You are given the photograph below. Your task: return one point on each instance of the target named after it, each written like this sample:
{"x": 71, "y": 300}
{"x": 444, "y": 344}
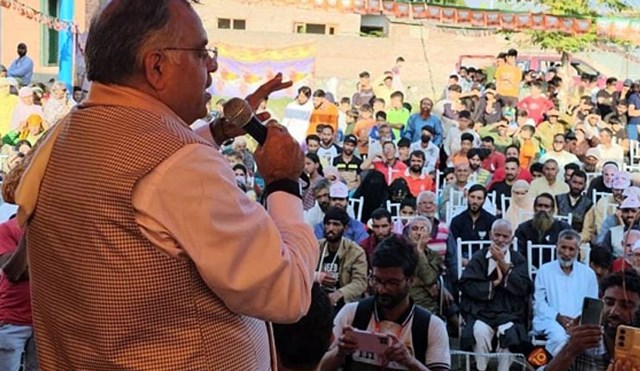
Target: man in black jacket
{"x": 495, "y": 287}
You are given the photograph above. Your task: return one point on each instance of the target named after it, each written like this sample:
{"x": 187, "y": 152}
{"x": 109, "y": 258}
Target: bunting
{"x": 451, "y": 15}
{"x": 35, "y": 15}
{"x": 618, "y": 28}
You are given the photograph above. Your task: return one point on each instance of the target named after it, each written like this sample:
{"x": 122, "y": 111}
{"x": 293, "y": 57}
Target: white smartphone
{"x": 372, "y": 342}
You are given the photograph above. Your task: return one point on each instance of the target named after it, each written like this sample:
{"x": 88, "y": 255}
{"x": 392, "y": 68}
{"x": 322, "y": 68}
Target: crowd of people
{"x": 532, "y": 182}
{"x": 488, "y": 214}
{"x": 28, "y": 108}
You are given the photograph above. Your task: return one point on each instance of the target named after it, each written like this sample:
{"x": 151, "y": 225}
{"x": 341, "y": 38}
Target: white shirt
{"x": 563, "y": 158}
{"x": 296, "y": 119}
{"x": 615, "y": 153}
{"x": 431, "y": 154}
{"x": 559, "y": 293}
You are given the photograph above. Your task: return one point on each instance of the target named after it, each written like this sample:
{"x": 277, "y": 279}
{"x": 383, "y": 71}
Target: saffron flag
{"x": 243, "y": 69}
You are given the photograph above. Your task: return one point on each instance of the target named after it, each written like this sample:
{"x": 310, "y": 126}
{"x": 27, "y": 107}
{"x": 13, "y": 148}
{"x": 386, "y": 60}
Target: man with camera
{"x": 591, "y": 347}
{"x": 405, "y": 335}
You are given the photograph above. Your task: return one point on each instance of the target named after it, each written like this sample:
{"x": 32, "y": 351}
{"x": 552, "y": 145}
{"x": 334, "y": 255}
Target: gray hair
{"x": 59, "y": 85}
{"x": 322, "y": 184}
{"x": 570, "y": 234}
{"x": 424, "y": 194}
{"x": 414, "y": 221}
{"x": 121, "y": 33}
{"x": 501, "y": 223}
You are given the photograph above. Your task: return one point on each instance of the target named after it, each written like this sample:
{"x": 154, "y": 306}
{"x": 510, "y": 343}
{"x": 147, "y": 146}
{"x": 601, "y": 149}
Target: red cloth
{"x": 15, "y": 298}
{"x": 536, "y": 107}
{"x": 619, "y": 265}
{"x": 499, "y": 176}
{"x": 390, "y": 173}
{"x": 493, "y": 162}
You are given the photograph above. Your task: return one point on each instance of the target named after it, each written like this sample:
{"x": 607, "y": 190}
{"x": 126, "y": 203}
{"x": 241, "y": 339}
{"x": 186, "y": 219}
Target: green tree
{"x": 567, "y": 44}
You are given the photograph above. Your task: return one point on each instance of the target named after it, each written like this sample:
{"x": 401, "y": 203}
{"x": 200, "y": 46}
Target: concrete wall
{"x": 15, "y": 29}
{"x": 430, "y": 53}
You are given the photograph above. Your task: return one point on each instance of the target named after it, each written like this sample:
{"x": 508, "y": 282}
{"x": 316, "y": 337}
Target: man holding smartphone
{"x": 417, "y": 339}
{"x": 591, "y": 347}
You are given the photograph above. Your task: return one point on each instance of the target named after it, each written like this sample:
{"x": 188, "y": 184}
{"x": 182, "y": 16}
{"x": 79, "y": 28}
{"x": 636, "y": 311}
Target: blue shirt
{"x": 22, "y": 68}
{"x": 355, "y": 231}
{"x": 413, "y": 130}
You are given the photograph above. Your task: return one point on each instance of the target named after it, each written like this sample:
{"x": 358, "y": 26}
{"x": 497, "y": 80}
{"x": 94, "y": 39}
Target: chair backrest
{"x": 407, "y": 219}
{"x": 585, "y": 251}
{"x": 438, "y": 181}
{"x": 609, "y": 208}
{"x": 456, "y": 197}
{"x": 505, "y": 202}
{"x": 356, "y": 204}
{"x": 634, "y": 151}
{"x": 492, "y": 197}
{"x": 591, "y": 176}
{"x": 466, "y": 249}
{"x": 393, "y": 208}
{"x": 537, "y": 255}
{"x": 567, "y": 218}
{"x": 598, "y": 195}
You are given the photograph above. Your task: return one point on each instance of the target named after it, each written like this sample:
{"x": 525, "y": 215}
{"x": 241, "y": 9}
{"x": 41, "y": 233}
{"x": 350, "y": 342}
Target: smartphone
{"x": 591, "y": 311}
{"x": 371, "y": 341}
{"x": 628, "y": 345}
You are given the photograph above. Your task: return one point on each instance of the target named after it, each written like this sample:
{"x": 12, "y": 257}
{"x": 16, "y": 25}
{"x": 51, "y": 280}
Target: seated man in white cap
{"x": 606, "y": 205}
{"x": 591, "y": 162}
{"x": 614, "y": 237}
{"x": 339, "y": 197}
{"x": 614, "y": 218}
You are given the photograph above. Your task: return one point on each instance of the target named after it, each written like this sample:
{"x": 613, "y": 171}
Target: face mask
{"x": 241, "y": 179}
{"x": 425, "y": 139}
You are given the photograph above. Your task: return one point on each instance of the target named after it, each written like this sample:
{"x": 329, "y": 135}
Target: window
{"x": 314, "y": 28}
{"x": 374, "y": 26}
{"x": 49, "y": 39}
{"x": 232, "y": 24}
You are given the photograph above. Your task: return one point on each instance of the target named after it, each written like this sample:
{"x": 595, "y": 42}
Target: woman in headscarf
{"x": 34, "y": 129}
{"x": 520, "y": 203}
{"x": 58, "y": 104}
{"x": 8, "y": 103}
{"x": 24, "y": 109}
{"x": 375, "y": 193}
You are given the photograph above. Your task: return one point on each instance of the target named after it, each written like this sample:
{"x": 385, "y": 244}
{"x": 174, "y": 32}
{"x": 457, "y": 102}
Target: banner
{"x": 243, "y": 69}
{"x": 619, "y": 28}
{"x": 66, "y": 46}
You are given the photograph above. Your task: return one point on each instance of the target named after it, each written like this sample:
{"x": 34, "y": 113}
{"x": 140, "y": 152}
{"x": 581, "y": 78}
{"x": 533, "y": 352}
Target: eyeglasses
{"x": 204, "y": 53}
{"x": 390, "y": 284}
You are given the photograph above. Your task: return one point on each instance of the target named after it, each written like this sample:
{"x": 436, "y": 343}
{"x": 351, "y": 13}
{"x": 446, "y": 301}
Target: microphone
{"x": 238, "y": 112}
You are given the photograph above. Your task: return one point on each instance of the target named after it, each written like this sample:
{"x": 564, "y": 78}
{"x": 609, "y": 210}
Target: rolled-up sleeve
{"x": 259, "y": 262}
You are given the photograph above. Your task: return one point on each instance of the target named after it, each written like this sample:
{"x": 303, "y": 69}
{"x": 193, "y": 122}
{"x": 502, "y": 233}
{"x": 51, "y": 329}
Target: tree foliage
{"x": 568, "y": 43}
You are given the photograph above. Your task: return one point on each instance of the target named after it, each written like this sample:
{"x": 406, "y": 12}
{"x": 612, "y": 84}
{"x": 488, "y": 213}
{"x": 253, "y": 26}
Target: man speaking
{"x": 144, "y": 254}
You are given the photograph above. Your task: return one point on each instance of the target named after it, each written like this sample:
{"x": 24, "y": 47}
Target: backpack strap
{"x": 364, "y": 310}
{"x": 420, "y": 333}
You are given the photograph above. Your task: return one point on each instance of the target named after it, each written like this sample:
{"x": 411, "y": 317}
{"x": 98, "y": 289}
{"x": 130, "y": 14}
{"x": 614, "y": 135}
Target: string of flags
{"x": 450, "y": 15}
{"x": 36, "y": 15}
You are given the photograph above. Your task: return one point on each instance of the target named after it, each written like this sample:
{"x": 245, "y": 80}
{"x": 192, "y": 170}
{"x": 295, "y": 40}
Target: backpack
{"x": 421, "y": 320}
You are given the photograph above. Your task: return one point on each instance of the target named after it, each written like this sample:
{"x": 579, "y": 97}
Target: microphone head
{"x": 237, "y": 111}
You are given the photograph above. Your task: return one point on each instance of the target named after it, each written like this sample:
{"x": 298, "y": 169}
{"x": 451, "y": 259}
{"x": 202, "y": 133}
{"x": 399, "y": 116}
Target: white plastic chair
{"x": 505, "y": 202}
{"x": 634, "y": 151}
{"x": 533, "y": 264}
{"x": 356, "y": 204}
{"x": 596, "y": 196}
{"x": 393, "y": 208}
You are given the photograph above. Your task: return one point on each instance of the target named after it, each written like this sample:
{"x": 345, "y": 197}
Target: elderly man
{"x": 631, "y": 258}
{"x": 495, "y": 289}
{"x": 560, "y": 288}
{"x": 543, "y": 228}
{"x": 154, "y": 258}
{"x": 551, "y": 182}
{"x": 597, "y": 220}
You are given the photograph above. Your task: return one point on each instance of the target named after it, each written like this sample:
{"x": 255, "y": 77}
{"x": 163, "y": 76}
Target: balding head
{"x": 629, "y": 239}
{"x": 501, "y": 234}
